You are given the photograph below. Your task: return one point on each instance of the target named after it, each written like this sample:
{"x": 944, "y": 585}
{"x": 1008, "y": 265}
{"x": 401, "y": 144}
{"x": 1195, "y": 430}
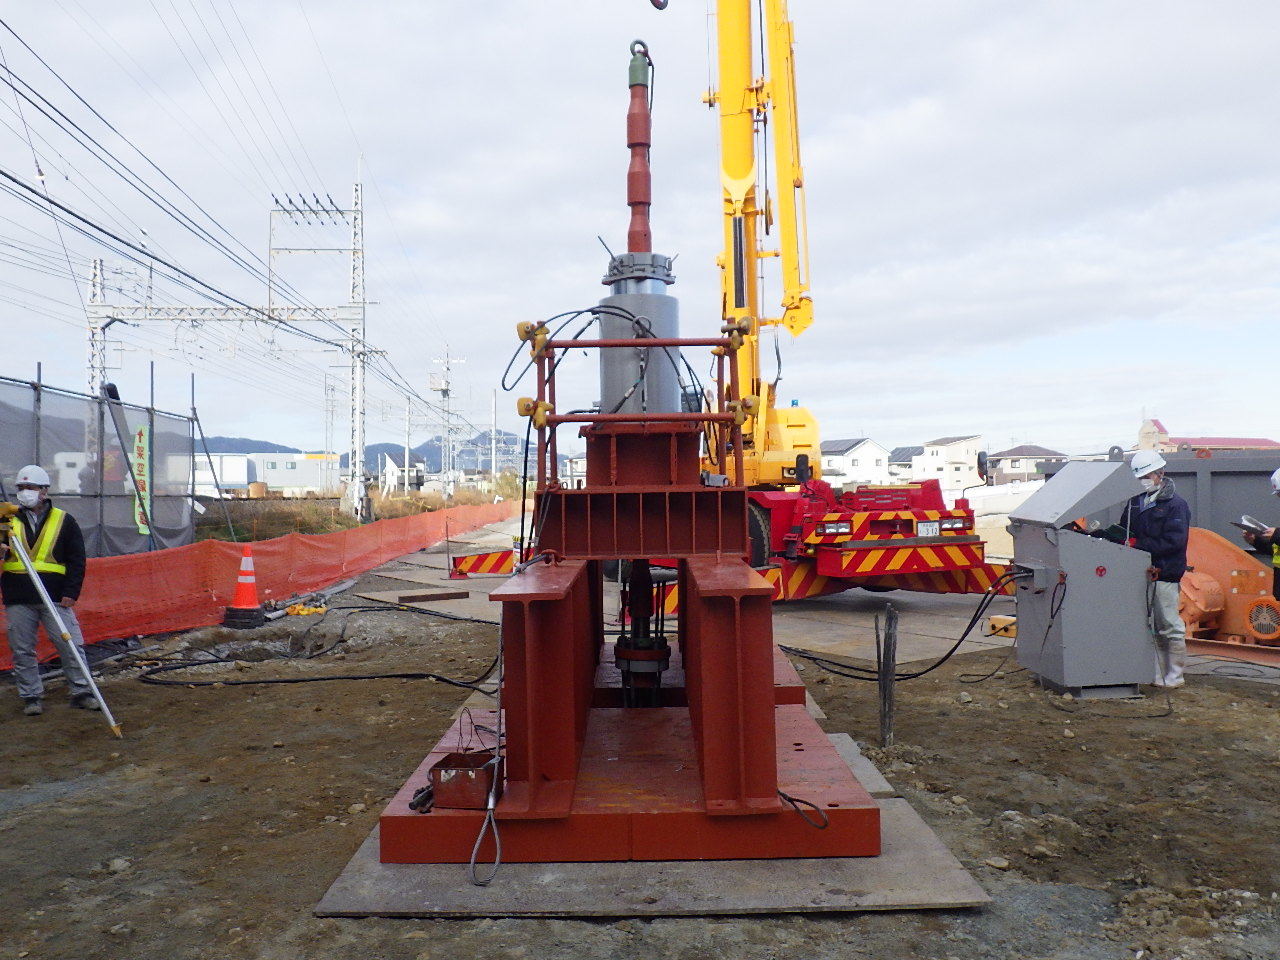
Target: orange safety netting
{"x": 186, "y": 587}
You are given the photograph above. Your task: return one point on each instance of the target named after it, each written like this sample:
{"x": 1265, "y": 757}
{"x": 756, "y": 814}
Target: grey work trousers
{"x": 1170, "y": 632}
{"x": 24, "y": 621}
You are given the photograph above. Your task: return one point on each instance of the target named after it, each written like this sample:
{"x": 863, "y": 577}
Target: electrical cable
{"x": 854, "y": 672}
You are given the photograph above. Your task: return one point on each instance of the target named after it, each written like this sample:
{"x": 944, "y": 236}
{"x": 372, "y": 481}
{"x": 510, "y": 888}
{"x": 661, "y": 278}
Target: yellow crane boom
{"x": 748, "y": 105}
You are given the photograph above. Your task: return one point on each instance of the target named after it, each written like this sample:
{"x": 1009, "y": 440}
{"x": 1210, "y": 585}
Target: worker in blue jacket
{"x": 1158, "y": 521}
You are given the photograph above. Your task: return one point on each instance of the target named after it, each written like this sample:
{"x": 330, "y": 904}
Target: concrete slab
{"x": 417, "y": 560}
{"x": 843, "y": 624}
{"x": 915, "y": 872}
{"x": 413, "y": 575}
{"x": 476, "y": 602}
{"x": 811, "y": 705}
{"x": 868, "y": 775}
{"x": 496, "y": 536}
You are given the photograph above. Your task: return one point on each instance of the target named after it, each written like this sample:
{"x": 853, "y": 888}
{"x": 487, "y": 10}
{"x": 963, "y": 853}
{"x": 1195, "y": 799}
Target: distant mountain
{"x": 244, "y": 445}
{"x": 470, "y": 454}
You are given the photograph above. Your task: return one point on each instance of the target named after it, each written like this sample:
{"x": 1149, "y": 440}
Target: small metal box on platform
{"x": 1082, "y": 608}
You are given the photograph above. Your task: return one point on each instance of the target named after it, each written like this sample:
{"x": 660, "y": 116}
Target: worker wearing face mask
{"x": 1268, "y": 541}
{"x": 55, "y": 545}
{"x": 1158, "y": 521}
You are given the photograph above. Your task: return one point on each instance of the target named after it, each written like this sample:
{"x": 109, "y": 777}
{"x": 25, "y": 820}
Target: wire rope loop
{"x": 489, "y": 824}
{"x": 796, "y": 803}
{"x": 659, "y": 4}
{"x": 640, "y": 47}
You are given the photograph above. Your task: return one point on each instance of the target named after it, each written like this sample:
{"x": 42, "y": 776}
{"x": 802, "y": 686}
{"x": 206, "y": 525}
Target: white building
{"x": 287, "y": 474}
{"x": 233, "y": 470}
{"x": 952, "y": 461}
{"x": 848, "y": 463}
{"x": 573, "y": 473}
{"x": 393, "y": 474}
{"x": 297, "y": 474}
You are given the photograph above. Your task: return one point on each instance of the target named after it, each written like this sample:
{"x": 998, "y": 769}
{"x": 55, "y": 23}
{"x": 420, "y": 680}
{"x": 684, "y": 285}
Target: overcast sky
{"x": 1033, "y": 221}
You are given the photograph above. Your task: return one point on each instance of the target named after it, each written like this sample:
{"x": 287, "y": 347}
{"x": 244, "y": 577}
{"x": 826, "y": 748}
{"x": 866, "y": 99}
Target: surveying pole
{"x": 16, "y": 546}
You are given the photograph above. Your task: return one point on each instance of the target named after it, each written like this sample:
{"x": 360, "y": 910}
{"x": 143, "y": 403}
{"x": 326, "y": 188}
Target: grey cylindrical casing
{"x": 658, "y": 390}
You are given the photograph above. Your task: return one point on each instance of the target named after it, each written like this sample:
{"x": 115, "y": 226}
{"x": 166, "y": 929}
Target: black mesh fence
{"x": 75, "y": 439}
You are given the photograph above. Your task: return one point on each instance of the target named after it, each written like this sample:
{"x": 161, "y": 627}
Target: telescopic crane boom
{"x": 749, "y": 106}
{"x": 806, "y": 538}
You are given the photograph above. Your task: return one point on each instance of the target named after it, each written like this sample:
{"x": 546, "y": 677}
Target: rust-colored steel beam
{"x": 552, "y": 630}
{"x": 727, "y": 637}
{"x": 639, "y": 137}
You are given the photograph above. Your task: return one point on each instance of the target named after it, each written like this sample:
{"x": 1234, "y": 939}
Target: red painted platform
{"x": 787, "y": 686}
{"x": 639, "y": 797}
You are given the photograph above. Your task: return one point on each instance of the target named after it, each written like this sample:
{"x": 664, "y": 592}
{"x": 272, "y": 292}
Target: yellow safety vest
{"x": 42, "y": 554}
{"x": 1275, "y": 555}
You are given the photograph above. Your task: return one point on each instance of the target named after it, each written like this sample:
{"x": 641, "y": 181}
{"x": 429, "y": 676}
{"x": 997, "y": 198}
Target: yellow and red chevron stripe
{"x": 977, "y": 579}
{"x": 799, "y": 580}
{"x": 874, "y": 561}
{"x": 498, "y": 562}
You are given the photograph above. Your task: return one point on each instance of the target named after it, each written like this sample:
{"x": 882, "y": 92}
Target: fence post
{"x": 887, "y": 669}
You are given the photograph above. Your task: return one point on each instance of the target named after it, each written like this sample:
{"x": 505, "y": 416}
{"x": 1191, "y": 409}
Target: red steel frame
{"x": 704, "y": 775}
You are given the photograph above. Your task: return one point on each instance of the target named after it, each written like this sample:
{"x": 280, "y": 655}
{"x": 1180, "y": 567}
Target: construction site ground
{"x": 1101, "y": 829}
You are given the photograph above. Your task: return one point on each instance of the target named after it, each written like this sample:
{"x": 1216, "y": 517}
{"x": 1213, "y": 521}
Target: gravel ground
{"x": 1101, "y": 830}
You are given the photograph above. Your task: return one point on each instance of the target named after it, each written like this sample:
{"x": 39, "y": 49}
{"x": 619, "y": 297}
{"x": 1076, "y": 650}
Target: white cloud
{"x": 1027, "y": 219}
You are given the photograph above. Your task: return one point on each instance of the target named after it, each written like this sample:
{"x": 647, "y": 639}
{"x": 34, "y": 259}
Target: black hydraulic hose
{"x": 864, "y": 673}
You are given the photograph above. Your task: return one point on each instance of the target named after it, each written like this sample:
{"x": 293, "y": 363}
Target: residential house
{"x": 394, "y": 473}
{"x": 848, "y": 463}
{"x": 952, "y": 461}
{"x": 900, "y": 461}
{"x": 1021, "y": 463}
{"x": 1154, "y": 436}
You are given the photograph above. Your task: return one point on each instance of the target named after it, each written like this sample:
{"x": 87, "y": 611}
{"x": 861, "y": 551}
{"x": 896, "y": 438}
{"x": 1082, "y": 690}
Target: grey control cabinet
{"x": 1082, "y": 609}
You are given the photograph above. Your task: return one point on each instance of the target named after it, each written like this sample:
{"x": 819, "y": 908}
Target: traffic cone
{"x": 245, "y": 611}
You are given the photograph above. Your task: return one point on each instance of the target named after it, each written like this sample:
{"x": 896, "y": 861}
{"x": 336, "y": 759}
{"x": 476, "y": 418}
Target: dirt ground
{"x": 1101, "y": 830}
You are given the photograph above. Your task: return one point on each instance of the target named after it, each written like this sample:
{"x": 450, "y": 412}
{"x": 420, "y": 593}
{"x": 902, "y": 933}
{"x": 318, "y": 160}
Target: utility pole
{"x": 493, "y": 444}
{"x": 440, "y": 383}
{"x": 360, "y": 505}
{"x": 330, "y": 410}
{"x": 97, "y": 332}
{"x": 408, "y": 420}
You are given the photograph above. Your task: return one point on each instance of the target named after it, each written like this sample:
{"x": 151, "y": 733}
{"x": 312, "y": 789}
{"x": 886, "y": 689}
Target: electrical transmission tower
{"x": 349, "y": 316}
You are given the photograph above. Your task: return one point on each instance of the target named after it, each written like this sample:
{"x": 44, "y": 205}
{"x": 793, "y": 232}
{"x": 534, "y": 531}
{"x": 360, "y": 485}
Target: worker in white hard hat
{"x": 1268, "y": 539}
{"x": 1158, "y": 521}
{"x": 55, "y": 545}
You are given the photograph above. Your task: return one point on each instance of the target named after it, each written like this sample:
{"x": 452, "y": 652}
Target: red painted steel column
{"x": 728, "y": 659}
{"x": 546, "y": 688}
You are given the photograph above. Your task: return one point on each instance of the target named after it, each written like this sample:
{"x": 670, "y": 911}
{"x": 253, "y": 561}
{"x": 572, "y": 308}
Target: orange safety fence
{"x": 186, "y": 587}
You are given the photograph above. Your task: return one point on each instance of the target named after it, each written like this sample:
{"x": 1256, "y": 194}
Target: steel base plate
{"x": 639, "y": 797}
